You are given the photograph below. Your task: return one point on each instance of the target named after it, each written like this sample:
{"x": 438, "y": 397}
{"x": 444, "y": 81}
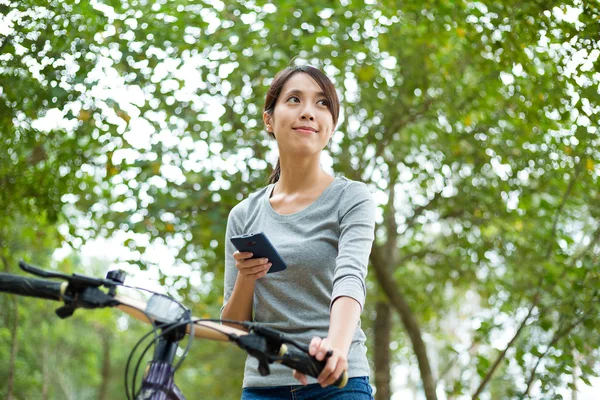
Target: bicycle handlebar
{"x": 32, "y": 287}
{"x": 51, "y": 290}
{"x": 289, "y": 357}
{"x": 90, "y": 296}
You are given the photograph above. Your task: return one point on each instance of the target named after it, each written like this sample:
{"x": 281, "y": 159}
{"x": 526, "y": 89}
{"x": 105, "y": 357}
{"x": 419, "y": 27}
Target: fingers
{"x": 314, "y": 345}
{"x": 251, "y": 267}
{"x": 257, "y": 269}
{"x": 255, "y": 272}
{"x": 241, "y": 256}
{"x": 336, "y": 365}
{"x": 301, "y": 377}
{"x": 322, "y": 349}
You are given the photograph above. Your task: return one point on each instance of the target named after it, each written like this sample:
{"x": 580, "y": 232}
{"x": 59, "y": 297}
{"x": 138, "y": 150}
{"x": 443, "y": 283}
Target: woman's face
{"x": 301, "y": 121}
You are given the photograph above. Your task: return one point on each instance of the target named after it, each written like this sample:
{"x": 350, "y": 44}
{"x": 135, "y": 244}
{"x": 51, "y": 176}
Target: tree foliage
{"x": 476, "y": 127}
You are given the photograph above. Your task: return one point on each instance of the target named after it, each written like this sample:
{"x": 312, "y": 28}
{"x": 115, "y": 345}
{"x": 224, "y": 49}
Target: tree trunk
{"x": 575, "y": 377}
{"x": 383, "y": 326}
{"x": 45, "y": 372}
{"x": 14, "y": 347}
{"x": 14, "y": 342}
{"x": 384, "y": 260}
{"x": 103, "y": 393}
{"x": 397, "y": 300}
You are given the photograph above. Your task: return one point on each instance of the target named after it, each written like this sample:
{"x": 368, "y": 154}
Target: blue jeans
{"x": 355, "y": 389}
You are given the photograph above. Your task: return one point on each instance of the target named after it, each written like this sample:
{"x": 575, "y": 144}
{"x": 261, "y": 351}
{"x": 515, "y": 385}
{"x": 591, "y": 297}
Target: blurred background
{"x": 129, "y": 129}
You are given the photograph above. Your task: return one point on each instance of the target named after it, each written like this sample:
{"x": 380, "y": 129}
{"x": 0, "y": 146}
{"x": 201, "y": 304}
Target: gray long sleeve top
{"x": 326, "y": 247}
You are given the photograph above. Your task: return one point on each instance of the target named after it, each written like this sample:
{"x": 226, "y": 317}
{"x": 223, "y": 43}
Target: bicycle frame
{"x": 159, "y": 382}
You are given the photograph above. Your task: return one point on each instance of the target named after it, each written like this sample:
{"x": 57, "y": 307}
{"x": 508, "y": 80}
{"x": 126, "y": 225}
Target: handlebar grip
{"x": 307, "y": 364}
{"x": 20, "y": 285}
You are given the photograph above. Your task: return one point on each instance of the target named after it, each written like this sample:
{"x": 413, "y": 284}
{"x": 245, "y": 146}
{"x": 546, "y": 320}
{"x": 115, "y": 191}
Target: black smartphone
{"x": 260, "y": 246}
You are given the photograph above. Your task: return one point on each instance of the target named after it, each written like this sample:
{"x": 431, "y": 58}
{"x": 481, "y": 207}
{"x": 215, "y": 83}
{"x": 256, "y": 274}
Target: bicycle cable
{"x": 153, "y": 331}
{"x": 251, "y": 325}
{"x": 164, "y": 332}
{"x": 156, "y": 293}
{"x": 187, "y": 348}
{"x": 192, "y": 322}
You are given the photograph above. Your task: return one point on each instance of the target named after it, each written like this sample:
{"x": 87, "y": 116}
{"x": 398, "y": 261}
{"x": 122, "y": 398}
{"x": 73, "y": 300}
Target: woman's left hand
{"x": 336, "y": 364}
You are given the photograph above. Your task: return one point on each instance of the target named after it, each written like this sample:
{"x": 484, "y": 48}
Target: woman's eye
{"x": 295, "y": 98}
{"x": 324, "y": 102}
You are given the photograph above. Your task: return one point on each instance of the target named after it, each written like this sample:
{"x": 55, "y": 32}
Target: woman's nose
{"x": 307, "y": 114}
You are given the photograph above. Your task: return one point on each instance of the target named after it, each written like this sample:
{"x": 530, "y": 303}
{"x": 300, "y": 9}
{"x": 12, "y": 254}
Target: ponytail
{"x": 276, "y": 173}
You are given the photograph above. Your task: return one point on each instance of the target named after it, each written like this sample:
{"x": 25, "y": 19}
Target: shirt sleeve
{"x": 235, "y": 226}
{"x": 357, "y": 232}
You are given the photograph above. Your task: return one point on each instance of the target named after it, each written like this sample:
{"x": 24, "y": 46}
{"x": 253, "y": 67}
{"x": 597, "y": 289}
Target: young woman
{"x": 323, "y": 228}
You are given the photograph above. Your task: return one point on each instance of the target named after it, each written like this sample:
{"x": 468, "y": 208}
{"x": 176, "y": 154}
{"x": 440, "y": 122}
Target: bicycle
{"x": 171, "y": 322}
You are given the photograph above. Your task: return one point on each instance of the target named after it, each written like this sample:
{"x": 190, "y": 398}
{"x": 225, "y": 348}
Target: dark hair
{"x": 333, "y": 102}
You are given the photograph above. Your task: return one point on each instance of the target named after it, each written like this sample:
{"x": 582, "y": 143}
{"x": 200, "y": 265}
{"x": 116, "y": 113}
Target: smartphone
{"x": 260, "y": 246}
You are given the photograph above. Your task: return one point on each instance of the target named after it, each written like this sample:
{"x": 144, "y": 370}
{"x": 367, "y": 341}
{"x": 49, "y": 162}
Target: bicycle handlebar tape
{"x": 307, "y": 364}
{"x": 40, "y": 288}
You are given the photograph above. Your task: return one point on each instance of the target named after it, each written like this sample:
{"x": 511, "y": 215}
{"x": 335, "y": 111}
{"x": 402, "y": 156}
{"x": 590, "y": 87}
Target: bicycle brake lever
{"x": 257, "y": 347}
{"x": 40, "y": 272}
{"x": 276, "y": 338}
{"x": 75, "y": 280}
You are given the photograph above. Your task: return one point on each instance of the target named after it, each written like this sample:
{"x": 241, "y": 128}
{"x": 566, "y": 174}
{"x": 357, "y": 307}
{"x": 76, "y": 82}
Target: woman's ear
{"x": 267, "y": 120}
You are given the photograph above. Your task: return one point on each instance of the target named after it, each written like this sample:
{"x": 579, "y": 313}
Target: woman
{"x": 323, "y": 227}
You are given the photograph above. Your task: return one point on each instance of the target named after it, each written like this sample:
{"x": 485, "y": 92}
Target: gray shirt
{"x": 326, "y": 247}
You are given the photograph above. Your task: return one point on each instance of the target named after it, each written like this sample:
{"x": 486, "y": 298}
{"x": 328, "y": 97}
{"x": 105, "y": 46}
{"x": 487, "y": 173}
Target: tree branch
{"x": 421, "y": 209}
{"x": 399, "y": 124}
{"x": 547, "y": 256}
{"x": 451, "y": 363}
{"x": 490, "y": 373}
{"x": 595, "y": 238}
{"x": 537, "y": 295}
{"x": 555, "y": 338}
{"x": 421, "y": 253}
{"x": 391, "y": 226}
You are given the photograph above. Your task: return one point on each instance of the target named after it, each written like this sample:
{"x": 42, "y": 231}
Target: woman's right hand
{"x": 251, "y": 268}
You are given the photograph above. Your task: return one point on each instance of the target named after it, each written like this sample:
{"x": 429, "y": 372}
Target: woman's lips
{"x": 305, "y": 130}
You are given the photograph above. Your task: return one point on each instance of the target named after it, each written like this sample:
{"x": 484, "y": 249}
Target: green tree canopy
{"x": 476, "y": 127}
